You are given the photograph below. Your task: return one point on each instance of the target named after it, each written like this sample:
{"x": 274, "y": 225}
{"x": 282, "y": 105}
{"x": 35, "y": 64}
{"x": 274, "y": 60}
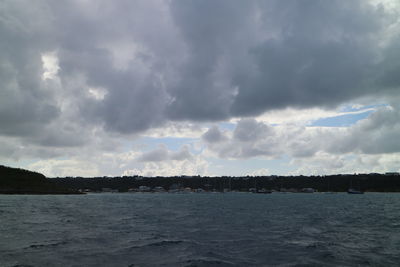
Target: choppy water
{"x": 231, "y": 229}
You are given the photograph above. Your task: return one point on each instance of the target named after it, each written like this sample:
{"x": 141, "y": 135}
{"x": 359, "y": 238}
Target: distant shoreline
{"x": 18, "y": 181}
{"x": 40, "y": 193}
{"x": 330, "y": 183}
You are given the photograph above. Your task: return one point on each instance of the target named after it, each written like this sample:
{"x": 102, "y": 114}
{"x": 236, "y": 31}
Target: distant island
{"x": 19, "y": 181}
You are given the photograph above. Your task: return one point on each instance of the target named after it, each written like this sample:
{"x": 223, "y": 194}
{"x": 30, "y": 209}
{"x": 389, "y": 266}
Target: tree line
{"x": 334, "y": 183}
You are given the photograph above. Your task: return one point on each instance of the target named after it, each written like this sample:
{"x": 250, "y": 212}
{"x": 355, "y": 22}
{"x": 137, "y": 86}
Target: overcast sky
{"x": 210, "y": 87}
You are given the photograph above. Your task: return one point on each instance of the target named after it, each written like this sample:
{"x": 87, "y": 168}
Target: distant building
{"x": 108, "y": 190}
{"x": 159, "y": 189}
{"x": 392, "y": 173}
{"x": 144, "y": 188}
{"x": 308, "y": 190}
{"x": 175, "y": 186}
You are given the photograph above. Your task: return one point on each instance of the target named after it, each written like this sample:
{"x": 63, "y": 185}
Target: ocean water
{"x": 208, "y": 229}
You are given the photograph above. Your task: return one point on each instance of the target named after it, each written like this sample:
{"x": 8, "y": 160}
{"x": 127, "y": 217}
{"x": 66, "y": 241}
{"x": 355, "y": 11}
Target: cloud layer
{"x": 192, "y": 60}
{"x": 90, "y": 74}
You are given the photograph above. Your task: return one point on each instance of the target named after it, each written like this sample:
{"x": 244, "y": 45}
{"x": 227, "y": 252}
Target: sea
{"x": 200, "y": 229}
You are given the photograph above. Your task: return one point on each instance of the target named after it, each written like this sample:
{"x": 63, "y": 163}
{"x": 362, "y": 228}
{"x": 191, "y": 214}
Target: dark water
{"x": 231, "y": 229}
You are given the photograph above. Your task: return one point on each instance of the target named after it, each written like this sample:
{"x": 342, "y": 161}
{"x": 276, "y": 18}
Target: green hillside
{"x": 19, "y": 181}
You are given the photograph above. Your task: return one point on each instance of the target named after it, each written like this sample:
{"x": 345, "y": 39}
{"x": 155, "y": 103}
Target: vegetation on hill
{"x": 373, "y": 182}
{"x": 20, "y": 181}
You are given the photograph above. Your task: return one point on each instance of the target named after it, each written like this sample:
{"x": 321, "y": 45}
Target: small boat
{"x": 263, "y": 191}
{"x": 354, "y": 191}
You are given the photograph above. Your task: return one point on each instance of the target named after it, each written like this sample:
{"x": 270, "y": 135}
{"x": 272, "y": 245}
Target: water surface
{"x": 231, "y": 229}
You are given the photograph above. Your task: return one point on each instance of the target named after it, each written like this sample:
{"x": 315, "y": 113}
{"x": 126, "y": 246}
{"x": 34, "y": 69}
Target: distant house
{"x": 109, "y": 190}
{"x": 392, "y": 173}
{"x": 144, "y": 188}
{"x": 308, "y": 190}
{"x": 175, "y": 186}
{"x": 159, "y": 189}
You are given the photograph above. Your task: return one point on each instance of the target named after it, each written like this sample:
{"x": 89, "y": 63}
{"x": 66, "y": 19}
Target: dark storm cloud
{"x": 390, "y": 66}
{"x": 209, "y": 30}
{"x": 160, "y": 61}
{"x": 249, "y": 57}
{"x": 135, "y": 96}
{"x": 321, "y": 53}
{"x": 25, "y": 105}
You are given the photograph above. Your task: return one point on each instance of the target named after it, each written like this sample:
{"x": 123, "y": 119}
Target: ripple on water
{"x": 200, "y": 230}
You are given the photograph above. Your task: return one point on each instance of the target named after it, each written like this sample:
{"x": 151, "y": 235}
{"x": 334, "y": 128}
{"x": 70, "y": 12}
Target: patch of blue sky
{"x": 342, "y": 120}
{"x": 241, "y": 167}
{"x": 227, "y": 126}
{"x": 354, "y": 108}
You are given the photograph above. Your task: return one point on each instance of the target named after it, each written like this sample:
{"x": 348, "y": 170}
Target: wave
{"x": 161, "y": 243}
{"x": 207, "y": 262}
{"x": 164, "y": 243}
{"x": 35, "y": 246}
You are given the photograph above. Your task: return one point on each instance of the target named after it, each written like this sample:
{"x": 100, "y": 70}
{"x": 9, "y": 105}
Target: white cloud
{"x": 324, "y": 164}
{"x": 50, "y": 65}
{"x": 303, "y": 117}
{"x": 197, "y": 166}
{"x": 260, "y": 172}
{"x": 62, "y": 168}
{"x": 177, "y": 130}
{"x": 376, "y": 134}
{"x": 80, "y": 79}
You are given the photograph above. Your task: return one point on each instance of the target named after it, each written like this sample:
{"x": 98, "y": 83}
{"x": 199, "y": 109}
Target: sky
{"x": 190, "y": 87}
